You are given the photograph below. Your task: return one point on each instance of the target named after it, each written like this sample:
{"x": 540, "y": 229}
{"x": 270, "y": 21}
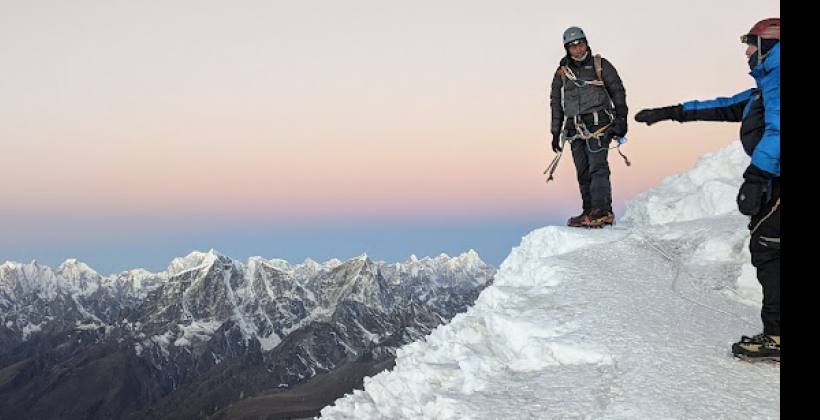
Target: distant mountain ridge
{"x": 207, "y": 314}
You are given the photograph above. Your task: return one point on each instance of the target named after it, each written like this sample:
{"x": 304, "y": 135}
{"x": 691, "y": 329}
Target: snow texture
{"x": 630, "y": 322}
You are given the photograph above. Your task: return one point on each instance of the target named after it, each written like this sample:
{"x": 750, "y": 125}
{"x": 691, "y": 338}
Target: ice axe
{"x": 554, "y": 164}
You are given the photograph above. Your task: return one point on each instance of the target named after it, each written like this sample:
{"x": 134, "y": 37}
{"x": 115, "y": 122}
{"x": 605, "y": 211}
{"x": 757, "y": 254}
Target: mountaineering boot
{"x": 759, "y": 347}
{"x": 577, "y": 221}
{"x": 598, "y": 218}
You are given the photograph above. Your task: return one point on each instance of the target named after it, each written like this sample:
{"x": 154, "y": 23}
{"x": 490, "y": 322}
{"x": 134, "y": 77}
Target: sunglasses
{"x": 748, "y": 39}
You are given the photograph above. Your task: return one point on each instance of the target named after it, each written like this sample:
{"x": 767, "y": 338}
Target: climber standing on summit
{"x": 758, "y": 111}
{"x": 588, "y": 102}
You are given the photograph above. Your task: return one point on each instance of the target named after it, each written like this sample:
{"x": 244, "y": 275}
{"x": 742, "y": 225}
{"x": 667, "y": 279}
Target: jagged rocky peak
{"x": 469, "y": 260}
{"x": 17, "y": 278}
{"x": 196, "y": 260}
{"x": 275, "y": 263}
{"x": 73, "y": 266}
{"x": 79, "y": 275}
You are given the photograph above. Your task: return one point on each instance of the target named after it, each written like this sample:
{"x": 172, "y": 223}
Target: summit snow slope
{"x": 629, "y": 322}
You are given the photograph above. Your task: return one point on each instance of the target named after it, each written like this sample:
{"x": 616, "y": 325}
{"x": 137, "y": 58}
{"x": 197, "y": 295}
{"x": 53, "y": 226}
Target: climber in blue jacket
{"x": 758, "y": 111}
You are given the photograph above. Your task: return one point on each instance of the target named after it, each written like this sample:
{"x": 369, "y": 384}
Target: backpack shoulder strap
{"x": 598, "y": 67}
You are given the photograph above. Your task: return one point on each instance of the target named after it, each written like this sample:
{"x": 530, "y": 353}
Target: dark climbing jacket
{"x": 757, "y": 109}
{"x": 569, "y": 98}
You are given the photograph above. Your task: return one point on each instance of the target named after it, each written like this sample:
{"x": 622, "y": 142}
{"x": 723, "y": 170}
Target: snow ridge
{"x": 634, "y": 321}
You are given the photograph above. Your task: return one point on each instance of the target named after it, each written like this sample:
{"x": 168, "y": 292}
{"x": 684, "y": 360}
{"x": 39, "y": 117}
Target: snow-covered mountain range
{"x": 208, "y": 314}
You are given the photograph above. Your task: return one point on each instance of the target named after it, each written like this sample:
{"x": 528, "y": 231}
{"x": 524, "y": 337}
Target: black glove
{"x": 618, "y": 128}
{"x": 653, "y": 115}
{"x": 556, "y": 142}
{"x": 754, "y": 192}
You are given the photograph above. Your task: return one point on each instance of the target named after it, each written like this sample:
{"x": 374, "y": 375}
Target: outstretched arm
{"x": 720, "y": 109}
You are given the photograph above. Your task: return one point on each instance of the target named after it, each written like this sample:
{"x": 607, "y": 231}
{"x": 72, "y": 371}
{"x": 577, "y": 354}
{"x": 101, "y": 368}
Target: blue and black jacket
{"x": 757, "y": 109}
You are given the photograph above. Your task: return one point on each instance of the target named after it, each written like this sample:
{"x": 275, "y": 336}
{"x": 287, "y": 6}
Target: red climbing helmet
{"x": 765, "y": 29}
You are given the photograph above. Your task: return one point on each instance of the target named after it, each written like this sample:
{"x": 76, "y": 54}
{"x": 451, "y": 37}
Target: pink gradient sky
{"x": 308, "y": 110}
